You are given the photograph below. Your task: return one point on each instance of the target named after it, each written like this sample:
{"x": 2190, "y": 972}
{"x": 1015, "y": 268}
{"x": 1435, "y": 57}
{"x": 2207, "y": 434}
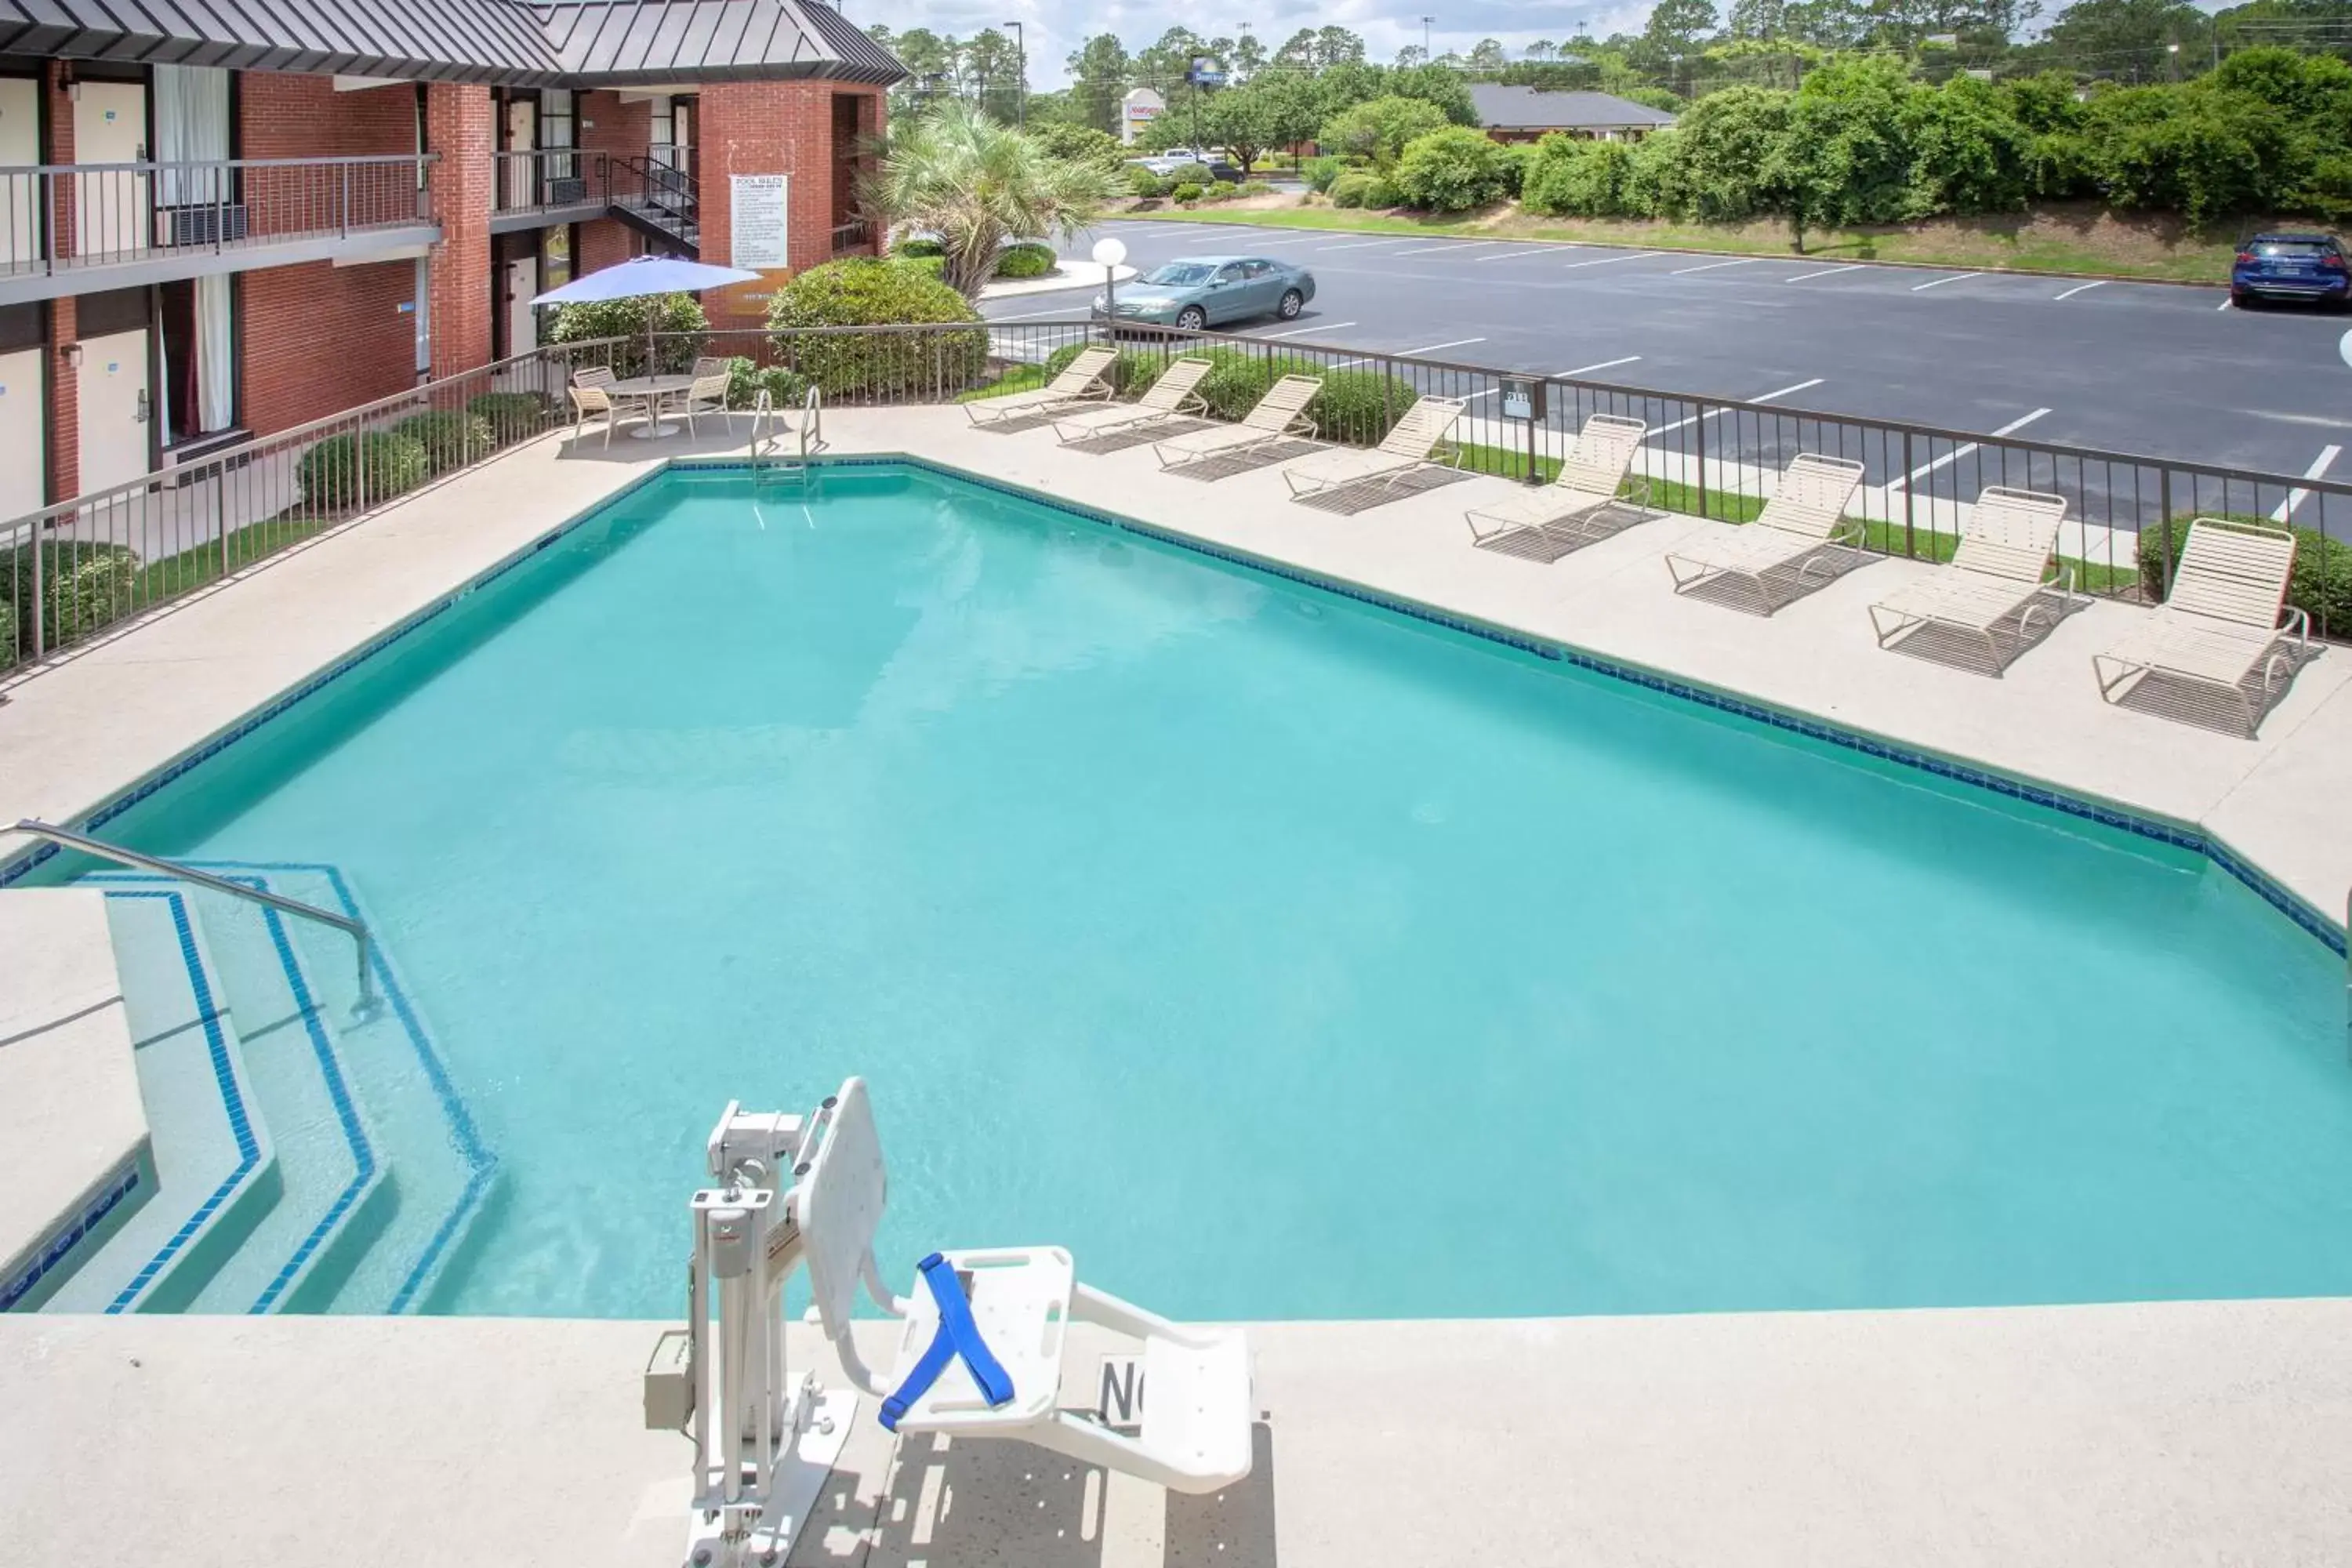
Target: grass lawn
{"x": 170, "y": 574}
{"x": 1020, "y": 378}
{"x": 2070, "y": 240}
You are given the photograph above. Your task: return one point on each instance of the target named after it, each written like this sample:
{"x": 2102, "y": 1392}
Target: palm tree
{"x": 954, "y": 174}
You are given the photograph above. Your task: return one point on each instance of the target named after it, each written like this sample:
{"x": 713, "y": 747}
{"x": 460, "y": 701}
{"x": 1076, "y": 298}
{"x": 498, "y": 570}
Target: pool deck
{"x": 2137, "y": 1437}
{"x": 2133, "y": 1434}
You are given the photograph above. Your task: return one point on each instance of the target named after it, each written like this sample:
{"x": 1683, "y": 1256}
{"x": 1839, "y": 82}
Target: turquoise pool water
{"x": 1282, "y": 956}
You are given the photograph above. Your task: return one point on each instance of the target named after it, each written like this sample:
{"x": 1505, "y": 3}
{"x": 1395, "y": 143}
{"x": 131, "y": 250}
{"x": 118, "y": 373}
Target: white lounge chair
{"x": 2003, "y": 568}
{"x": 1586, "y": 488}
{"x": 1279, "y": 416}
{"x": 2220, "y": 621}
{"x": 1805, "y": 517}
{"x": 1410, "y": 444}
{"x": 1086, "y": 379}
{"x": 1173, "y": 396}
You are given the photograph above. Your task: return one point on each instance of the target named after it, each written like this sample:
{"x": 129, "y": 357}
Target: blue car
{"x": 1201, "y": 291}
{"x": 2290, "y": 266}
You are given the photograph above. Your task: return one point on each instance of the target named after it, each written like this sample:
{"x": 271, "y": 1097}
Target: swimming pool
{"x": 1281, "y": 956}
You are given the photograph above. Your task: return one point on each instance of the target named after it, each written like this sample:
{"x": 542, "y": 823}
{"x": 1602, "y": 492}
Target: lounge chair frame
{"x": 1408, "y": 448}
{"x": 1799, "y": 526}
{"x": 1086, "y": 379}
{"x": 1279, "y": 416}
{"x": 1174, "y": 396}
{"x": 2225, "y": 617}
{"x": 2006, "y": 566}
{"x": 1596, "y": 479}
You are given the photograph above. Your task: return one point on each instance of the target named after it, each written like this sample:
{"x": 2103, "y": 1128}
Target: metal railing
{"x": 111, "y": 554}
{"x": 65, "y": 838}
{"x": 70, "y": 571}
{"x": 858, "y": 235}
{"x": 529, "y": 180}
{"x": 56, "y": 217}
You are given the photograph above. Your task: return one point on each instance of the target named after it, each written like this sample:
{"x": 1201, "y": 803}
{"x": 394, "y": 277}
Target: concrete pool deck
{"x": 2133, "y": 1434}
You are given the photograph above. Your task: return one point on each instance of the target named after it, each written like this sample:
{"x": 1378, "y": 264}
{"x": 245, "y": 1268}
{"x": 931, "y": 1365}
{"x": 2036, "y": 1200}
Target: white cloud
{"x": 1056, "y": 27}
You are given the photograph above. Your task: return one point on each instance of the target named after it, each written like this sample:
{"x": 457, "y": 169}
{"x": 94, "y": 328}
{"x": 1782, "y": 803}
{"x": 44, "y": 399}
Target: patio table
{"x": 652, "y": 391}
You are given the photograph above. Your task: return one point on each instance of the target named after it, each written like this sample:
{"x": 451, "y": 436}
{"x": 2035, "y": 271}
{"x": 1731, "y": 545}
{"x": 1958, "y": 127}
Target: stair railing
{"x": 355, "y": 929}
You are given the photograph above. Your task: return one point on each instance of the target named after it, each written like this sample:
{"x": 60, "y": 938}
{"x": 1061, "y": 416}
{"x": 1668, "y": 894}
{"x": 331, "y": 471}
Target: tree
{"x": 1248, "y": 56}
{"x": 2127, "y": 38}
{"x": 1452, "y": 169}
{"x": 1410, "y": 55}
{"x": 1435, "y": 84}
{"x": 1298, "y": 52}
{"x": 992, "y": 70}
{"x": 1677, "y": 27}
{"x": 971, "y": 182}
{"x": 1242, "y": 119}
{"x": 1489, "y": 56}
{"x": 1098, "y": 78}
{"x": 930, "y": 62}
{"x": 1293, "y": 110}
{"x": 1337, "y": 46}
{"x": 1379, "y": 129}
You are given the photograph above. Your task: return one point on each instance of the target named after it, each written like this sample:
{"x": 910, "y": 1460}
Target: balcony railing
{"x": 854, "y": 237}
{"x": 56, "y": 217}
{"x": 550, "y": 179}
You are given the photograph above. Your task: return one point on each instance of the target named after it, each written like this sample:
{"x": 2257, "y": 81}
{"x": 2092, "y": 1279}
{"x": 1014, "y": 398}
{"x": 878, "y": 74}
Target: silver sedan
{"x": 1209, "y": 292}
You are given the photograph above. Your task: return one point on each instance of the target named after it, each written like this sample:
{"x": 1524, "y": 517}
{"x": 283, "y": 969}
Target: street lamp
{"x": 1425, "y": 21}
{"x": 1110, "y": 252}
{"x": 2172, "y": 59}
{"x": 1021, "y": 48}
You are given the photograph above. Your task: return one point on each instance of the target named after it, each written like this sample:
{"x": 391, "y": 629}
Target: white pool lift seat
{"x": 1195, "y": 1436}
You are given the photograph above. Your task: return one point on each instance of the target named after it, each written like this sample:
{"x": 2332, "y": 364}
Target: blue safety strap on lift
{"x": 959, "y": 1337}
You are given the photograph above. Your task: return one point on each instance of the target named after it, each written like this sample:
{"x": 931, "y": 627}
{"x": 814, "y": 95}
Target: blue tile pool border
{"x": 2087, "y": 808}
{"x": 59, "y": 1252}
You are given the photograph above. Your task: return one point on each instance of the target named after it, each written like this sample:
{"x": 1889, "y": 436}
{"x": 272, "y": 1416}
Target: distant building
{"x": 1523, "y": 113}
{"x": 1138, "y": 109}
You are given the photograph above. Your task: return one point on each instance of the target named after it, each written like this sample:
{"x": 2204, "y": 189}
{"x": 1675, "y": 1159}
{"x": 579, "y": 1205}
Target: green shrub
{"x": 450, "y": 439}
{"x": 84, "y": 584}
{"x": 1573, "y": 178}
{"x": 1379, "y": 128}
{"x": 1185, "y": 191}
{"x": 1383, "y": 193}
{"x": 1518, "y": 158}
{"x": 101, "y": 587}
{"x": 7, "y": 636}
{"x": 1130, "y": 375}
{"x": 1348, "y": 190}
{"x": 914, "y": 247}
{"x": 1190, "y": 175}
{"x": 511, "y": 416}
{"x": 1318, "y": 172}
{"x": 1142, "y": 182}
{"x": 1080, "y": 144}
{"x": 675, "y": 314}
{"x": 1254, "y": 188}
{"x": 1450, "y": 170}
{"x": 343, "y": 470}
{"x": 922, "y": 266}
{"x": 1358, "y": 406}
{"x": 862, "y": 291}
{"x": 1027, "y": 259}
{"x": 1221, "y": 191}
{"x": 745, "y": 381}
{"x": 2321, "y": 586}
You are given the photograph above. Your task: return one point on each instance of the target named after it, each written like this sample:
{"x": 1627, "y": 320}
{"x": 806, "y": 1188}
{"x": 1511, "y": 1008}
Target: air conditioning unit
{"x": 564, "y": 193}
{"x": 212, "y": 223}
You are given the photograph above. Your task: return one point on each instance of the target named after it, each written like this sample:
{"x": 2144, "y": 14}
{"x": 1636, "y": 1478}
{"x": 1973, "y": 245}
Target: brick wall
{"x": 608, "y": 124}
{"x": 458, "y": 128}
{"x": 320, "y": 338}
{"x": 287, "y": 116}
{"x": 604, "y": 242}
{"x": 769, "y": 127}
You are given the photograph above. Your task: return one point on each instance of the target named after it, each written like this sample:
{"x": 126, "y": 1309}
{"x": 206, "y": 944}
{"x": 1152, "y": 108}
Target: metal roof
{"x": 1502, "y": 108}
{"x": 587, "y": 43}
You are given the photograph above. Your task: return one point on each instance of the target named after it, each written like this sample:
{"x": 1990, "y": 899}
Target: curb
{"x": 1825, "y": 259}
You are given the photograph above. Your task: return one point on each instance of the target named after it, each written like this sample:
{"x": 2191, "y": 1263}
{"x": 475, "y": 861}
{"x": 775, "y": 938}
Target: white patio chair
{"x": 1805, "y": 517}
{"x": 1086, "y": 379}
{"x": 708, "y": 393}
{"x": 589, "y": 399}
{"x": 2003, "y": 568}
{"x": 1175, "y": 395}
{"x": 1586, "y": 488}
{"x": 2220, "y": 621}
{"x": 1279, "y": 416}
{"x": 1410, "y": 446}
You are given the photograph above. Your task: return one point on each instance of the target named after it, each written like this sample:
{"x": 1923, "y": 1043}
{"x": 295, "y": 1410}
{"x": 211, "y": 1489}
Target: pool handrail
{"x": 351, "y": 925}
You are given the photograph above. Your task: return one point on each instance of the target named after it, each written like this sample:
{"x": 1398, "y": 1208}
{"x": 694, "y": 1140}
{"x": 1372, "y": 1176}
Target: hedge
{"x": 1186, "y": 191}
{"x": 450, "y": 439}
{"x": 1318, "y": 172}
{"x": 1354, "y": 405}
{"x": 511, "y": 416}
{"x": 84, "y": 584}
{"x": 676, "y": 314}
{"x": 1142, "y": 182}
{"x": 1027, "y": 259}
{"x": 1131, "y": 373}
{"x": 918, "y": 248}
{"x": 1358, "y": 406}
{"x": 8, "y": 635}
{"x": 2321, "y": 586}
{"x": 863, "y": 291}
{"x": 1450, "y": 170}
{"x": 1383, "y": 193}
{"x": 1348, "y": 190}
{"x": 745, "y": 381}
{"x": 331, "y": 472}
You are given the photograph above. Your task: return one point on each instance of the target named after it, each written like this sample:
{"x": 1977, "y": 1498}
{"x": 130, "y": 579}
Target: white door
{"x": 521, "y": 171}
{"x": 111, "y": 207}
{"x": 20, "y": 147}
{"x": 24, "y": 441}
{"x": 522, "y": 320}
{"x": 115, "y": 408}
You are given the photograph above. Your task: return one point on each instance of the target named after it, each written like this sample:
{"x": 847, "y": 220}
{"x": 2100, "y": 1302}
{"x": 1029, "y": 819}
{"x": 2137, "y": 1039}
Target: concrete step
{"x": 217, "y": 1175}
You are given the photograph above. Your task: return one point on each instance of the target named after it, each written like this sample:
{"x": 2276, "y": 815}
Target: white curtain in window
{"x": 215, "y": 354}
{"x": 192, "y": 126}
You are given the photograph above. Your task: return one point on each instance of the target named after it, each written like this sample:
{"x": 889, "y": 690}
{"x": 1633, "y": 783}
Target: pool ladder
{"x": 766, "y": 435}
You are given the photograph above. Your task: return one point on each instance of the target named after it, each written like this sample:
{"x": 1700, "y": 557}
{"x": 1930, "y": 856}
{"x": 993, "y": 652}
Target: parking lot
{"x": 2147, "y": 368}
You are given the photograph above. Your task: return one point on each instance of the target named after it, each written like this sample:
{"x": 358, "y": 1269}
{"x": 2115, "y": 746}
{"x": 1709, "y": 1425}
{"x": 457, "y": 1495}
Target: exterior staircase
{"x": 662, "y": 202}
{"x": 309, "y": 1156}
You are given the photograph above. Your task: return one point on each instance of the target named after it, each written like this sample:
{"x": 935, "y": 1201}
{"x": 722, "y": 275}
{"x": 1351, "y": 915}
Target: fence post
{"x": 1698, "y": 438}
{"x": 343, "y": 199}
{"x": 220, "y": 514}
{"x": 1908, "y": 549}
{"x": 2164, "y": 524}
{"x": 40, "y": 596}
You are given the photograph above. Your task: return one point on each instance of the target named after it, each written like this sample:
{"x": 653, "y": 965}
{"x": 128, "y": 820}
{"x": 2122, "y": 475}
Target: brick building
{"x": 217, "y": 223}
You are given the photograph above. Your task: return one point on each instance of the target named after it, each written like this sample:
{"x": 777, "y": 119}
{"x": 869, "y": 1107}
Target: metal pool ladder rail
{"x": 357, "y": 930}
{"x": 764, "y": 437}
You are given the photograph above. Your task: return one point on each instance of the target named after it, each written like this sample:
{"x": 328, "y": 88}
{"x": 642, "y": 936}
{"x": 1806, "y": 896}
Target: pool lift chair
{"x": 979, "y": 1355}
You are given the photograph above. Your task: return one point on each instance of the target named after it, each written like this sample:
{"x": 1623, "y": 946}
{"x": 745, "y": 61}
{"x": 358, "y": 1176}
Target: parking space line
{"x": 1407, "y": 354}
{"x": 1604, "y": 364}
{"x": 2078, "y": 288}
{"x": 1506, "y": 256}
{"x": 1605, "y": 261}
{"x": 1825, "y": 272}
{"x": 1734, "y": 261}
{"x": 2222, "y": 306}
{"x": 1072, "y": 311}
{"x": 1719, "y": 413}
{"x": 1357, "y": 245}
{"x": 1302, "y": 331}
{"x": 1450, "y": 245}
{"x": 1965, "y": 448}
{"x": 1940, "y": 283}
{"x": 2286, "y": 509}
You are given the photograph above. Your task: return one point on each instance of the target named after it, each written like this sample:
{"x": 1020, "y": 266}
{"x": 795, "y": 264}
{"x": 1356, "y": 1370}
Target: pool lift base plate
{"x": 798, "y": 1482}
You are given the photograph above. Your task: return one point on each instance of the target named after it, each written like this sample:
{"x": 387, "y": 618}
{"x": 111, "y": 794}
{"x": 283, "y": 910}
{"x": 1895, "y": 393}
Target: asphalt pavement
{"x": 2165, "y": 371}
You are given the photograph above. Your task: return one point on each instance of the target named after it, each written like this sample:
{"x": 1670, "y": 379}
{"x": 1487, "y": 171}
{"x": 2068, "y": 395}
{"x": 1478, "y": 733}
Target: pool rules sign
{"x": 758, "y": 231}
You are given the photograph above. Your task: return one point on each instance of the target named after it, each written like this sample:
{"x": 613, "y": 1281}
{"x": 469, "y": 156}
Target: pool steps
{"x": 328, "y": 1216}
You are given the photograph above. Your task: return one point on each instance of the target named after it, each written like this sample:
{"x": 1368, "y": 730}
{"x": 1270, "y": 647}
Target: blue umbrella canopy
{"x": 646, "y": 277}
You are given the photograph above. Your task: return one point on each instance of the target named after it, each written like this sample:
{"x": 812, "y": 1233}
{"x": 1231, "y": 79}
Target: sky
{"x": 1056, "y": 27}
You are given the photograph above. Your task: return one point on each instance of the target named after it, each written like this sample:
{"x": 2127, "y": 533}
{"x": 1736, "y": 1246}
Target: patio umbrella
{"x": 644, "y": 275}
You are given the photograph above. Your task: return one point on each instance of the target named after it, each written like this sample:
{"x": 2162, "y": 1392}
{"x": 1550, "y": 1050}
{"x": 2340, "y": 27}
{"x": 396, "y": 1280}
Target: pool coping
{"x": 2082, "y": 805}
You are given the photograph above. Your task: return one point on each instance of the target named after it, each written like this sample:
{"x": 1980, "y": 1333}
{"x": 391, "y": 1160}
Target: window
{"x": 1231, "y": 272}
{"x": 557, "y": 129}
{"x": 1253, "y": 270}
